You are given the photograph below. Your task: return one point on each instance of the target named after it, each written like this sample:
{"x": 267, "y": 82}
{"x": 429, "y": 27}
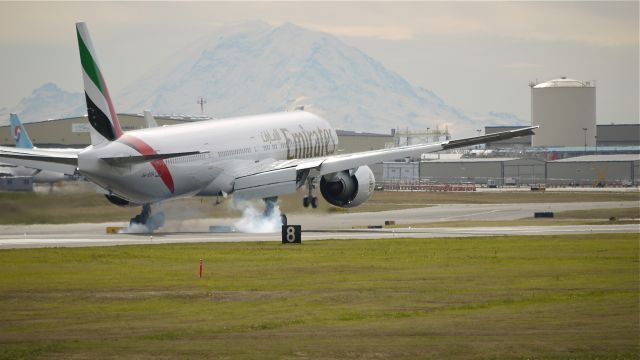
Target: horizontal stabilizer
{"x": 133, "y": 160}
{"x": 56, "y": 161}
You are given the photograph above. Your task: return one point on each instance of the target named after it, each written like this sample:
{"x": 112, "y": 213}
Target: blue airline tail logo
{"x": 19, "y": 133}
{"x": 16, "y": 133}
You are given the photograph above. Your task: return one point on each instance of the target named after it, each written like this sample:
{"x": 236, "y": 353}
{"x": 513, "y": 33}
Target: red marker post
{"x": 200, "y": 267}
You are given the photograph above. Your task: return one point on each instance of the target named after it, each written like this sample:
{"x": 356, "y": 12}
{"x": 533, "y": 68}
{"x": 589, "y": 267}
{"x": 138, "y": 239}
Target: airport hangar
{"x": 588, "y": 170}
{"x": 511, "y": 162}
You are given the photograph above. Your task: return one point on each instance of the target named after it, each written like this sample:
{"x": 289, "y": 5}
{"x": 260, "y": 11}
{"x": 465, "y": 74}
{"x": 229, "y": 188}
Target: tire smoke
{"x": 255, "y": 221}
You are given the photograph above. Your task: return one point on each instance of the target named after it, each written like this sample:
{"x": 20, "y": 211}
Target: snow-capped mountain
{"x": 46, "y": 102}
{"x": 256, "y": 68}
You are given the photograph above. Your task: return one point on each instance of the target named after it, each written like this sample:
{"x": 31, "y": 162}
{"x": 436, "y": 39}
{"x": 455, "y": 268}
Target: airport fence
{"x": 417, "y": 185}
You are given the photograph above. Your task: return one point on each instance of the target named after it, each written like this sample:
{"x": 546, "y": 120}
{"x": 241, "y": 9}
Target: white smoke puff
{"x": 134, "y": 229}
{"x": 255, "y": 221}
{"x": 184, "y": 218}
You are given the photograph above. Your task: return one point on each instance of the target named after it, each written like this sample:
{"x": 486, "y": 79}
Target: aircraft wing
{"x": 57, "y": 161}
{"x": 283, "y": 177}
{"x": 335, "y": 163}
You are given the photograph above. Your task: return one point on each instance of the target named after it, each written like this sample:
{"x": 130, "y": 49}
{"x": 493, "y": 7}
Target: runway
{"x": 319, "y": 227}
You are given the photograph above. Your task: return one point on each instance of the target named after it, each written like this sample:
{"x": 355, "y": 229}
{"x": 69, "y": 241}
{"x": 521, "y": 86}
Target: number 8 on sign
{"x": 291, "y": 234}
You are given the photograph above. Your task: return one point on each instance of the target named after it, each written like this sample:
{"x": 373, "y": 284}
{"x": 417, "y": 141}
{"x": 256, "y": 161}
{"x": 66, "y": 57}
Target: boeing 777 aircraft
{"x": 261, "y": 156}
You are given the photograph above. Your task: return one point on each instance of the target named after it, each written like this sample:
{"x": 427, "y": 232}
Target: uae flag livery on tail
{"x": 100, "y": 110}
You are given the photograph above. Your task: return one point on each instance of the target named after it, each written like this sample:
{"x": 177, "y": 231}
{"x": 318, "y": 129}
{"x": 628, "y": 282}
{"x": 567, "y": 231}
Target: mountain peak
{"x": 47, "y": 101}
{"x": 49, "y": 86}
{"x": 255, "y": 67}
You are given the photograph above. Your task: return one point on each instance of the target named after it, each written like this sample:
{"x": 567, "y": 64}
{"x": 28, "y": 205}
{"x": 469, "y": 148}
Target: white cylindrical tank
{"x": 565, "y": 109}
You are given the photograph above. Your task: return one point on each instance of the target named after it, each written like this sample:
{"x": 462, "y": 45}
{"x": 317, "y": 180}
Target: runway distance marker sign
{"x": 291, "y": 234}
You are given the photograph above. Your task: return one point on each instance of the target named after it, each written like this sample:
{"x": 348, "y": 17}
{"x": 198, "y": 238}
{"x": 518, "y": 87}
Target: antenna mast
{"x": 201, "y": 102}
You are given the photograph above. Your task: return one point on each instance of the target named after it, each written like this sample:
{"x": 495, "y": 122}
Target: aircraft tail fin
{"x": 19, "y": 133}
{"x": 149, "y": 120}
{"x": 102, "y": 115}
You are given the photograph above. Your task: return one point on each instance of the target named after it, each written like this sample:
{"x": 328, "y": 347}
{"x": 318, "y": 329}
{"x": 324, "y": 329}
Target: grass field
{"x": 87, "y": 206}
{"x": 494, "y": 297}
{"x": 627, "y": 215}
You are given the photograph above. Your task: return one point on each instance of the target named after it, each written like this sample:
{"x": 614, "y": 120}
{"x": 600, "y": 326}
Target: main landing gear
{"x": 269, "y": 206}
{"x": 151, "y": 221}
{"x": 310, "y": 199}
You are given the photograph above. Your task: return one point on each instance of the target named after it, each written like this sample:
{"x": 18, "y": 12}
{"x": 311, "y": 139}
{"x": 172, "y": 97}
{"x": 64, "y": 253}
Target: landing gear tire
{"x": 309, "y": 200}
{"x": 151, "y": 221}
{"x": 283, "y": 219}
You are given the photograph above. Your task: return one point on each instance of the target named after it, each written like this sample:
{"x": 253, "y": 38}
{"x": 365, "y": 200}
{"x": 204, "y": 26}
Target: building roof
{"x": 178, "y": 118}
{"x": 470, "y": 160}
{"x": 358, "y": 133}
{"x": 564, "y": 82}
{"x": 599, "y": 158}
{"x": 506, "y": 126}
{"x": 581, "y": 149}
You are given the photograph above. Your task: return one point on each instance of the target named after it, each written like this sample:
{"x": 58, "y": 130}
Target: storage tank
{"x": 565, "y": 109}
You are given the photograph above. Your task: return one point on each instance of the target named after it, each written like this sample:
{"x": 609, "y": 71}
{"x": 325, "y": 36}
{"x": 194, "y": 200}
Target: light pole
{"x": 479, "y": 131}
{"x": 585, "y": 139}
{"x": 596, "y": 137}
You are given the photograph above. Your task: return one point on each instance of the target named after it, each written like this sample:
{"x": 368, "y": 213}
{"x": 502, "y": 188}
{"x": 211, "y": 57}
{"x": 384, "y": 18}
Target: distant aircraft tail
{"x": 149, "y": 120}
{"x": 19, "y": 133}
{"x": 100, "y": 110}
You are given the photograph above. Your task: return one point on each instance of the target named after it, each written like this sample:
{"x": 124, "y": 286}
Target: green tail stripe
{"x": 89, "y": 66}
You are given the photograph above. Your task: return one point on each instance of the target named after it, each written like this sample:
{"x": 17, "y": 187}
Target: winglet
{"x": 451, "y": 144}
{"x": 100, "y": 110}
{"x": 19, "y": 133}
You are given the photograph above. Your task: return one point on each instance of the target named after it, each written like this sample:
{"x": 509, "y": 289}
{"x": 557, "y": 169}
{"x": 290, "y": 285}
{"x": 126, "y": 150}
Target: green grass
{"x": 628, "y": 215}
{"x": 85, "y": 205}
{"x": 618, "y": 213}
{"x": 493, "y": 297}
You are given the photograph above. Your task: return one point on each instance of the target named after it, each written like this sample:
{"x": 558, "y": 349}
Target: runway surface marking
{"x": 86, "y": 240}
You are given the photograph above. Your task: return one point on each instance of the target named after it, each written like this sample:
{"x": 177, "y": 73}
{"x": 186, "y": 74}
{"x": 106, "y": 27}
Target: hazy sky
{"x": 478, "y": 56}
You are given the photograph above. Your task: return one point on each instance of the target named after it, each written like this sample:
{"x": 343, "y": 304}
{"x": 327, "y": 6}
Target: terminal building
{"x": 589, "y": 170}
{"x": 617, "y": 136}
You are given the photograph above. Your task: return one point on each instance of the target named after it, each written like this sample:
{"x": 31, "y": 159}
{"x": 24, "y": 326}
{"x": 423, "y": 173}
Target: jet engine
{"x": 348, "y": 188}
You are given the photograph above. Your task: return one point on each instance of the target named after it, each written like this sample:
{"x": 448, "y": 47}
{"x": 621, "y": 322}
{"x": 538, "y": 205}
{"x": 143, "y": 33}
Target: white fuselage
{"x": 227, "y": 148}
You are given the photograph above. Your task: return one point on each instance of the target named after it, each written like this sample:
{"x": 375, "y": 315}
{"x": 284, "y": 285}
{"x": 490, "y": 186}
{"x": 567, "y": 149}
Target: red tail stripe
{"x": 159, "y": 165}
{"x": 114, "y": 117}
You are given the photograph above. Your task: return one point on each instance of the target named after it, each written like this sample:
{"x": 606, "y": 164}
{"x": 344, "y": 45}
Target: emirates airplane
{"x": 261, "y": 156}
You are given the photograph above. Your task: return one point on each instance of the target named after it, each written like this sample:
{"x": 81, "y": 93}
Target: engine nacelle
{"x": 345, "y": 190}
